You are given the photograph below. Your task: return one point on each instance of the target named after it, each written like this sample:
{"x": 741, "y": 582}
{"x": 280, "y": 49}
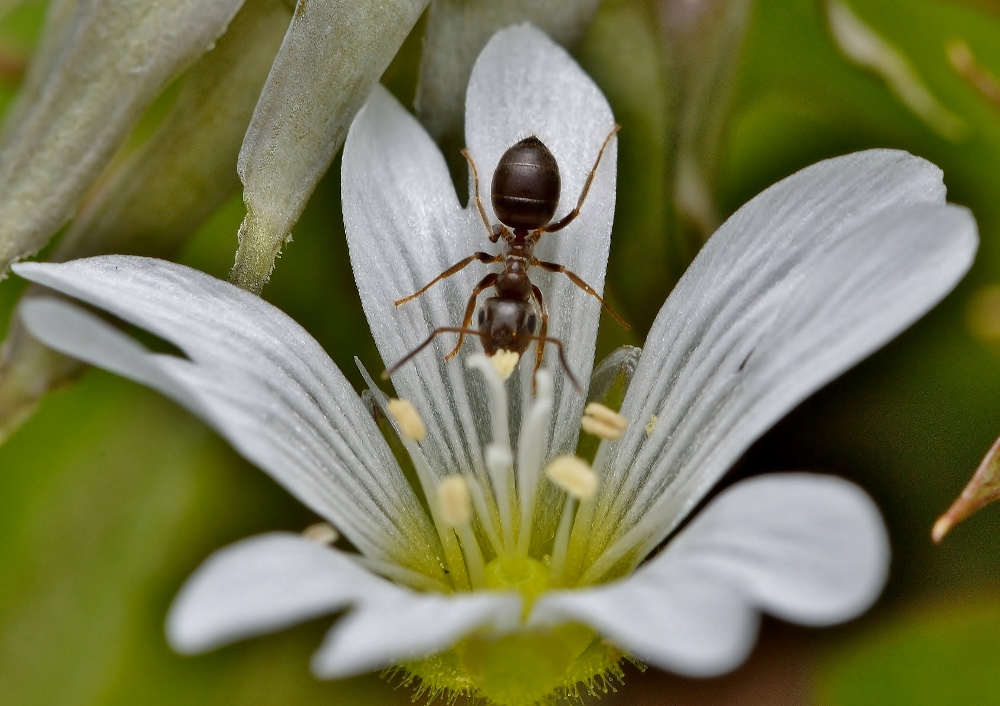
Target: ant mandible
{"x": 525, "y": 195}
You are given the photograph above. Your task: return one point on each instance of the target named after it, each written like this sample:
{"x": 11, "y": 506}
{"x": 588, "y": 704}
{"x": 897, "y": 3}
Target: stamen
{"x": 456, "y": 506}
{"x": 456, "y": 569}
{"x": 485, "y": 517}
{"x": 603, "y": 422}
{"x": 408, "y": 419}
{"x": 456, "y": 511}
{"x": 504, "y": 362}
{"x": 579, "y": 481}
{"x": 452, "y": 553}
{"x": 574, "y": 476}
{"x": 498, "y": 398}
{"x": 321, "y": 533}
{"x": 500, "y": 465}
{"x": 531, "y": 453}
{"x": 651, "y": 425}
{"x": 499, "y": 460}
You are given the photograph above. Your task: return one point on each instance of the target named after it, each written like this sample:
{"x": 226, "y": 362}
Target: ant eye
{"x": 531, "y": 322}
{"x": 482, "y": 317}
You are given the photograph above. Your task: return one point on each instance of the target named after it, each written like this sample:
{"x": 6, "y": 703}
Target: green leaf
{"x": 115, "y": 57}
{"x": 332, "y": 55}
{"x": 944, "y": 655}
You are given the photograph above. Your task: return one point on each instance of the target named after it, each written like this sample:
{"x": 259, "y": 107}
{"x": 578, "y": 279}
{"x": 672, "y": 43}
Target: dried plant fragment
{"x": 862, "y": 45}
{"x": 982, "y": 489}
{"x": 975, "y": 74}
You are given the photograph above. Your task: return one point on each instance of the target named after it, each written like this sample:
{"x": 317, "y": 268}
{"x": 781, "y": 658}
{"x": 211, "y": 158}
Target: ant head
{"x": 526, "y": 184}
{"x": 506, "y": 324}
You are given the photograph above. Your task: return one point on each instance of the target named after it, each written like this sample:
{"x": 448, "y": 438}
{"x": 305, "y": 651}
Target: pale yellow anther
{"x": 603, "y": 422}
{"x": 505, "y": 362}
{"x": 651, "y": 425}
{"x": 408, "y": 419}
{"x": 573, "y": 475}
{"x": 454, "y": 501}
{"x": 321, "y": 533}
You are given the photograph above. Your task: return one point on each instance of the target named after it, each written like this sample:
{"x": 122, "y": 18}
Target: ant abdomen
{"x": 526, "y": 185}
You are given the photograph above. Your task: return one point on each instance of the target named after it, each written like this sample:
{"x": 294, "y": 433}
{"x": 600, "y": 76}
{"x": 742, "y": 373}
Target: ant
{"x": 525, "y": 195}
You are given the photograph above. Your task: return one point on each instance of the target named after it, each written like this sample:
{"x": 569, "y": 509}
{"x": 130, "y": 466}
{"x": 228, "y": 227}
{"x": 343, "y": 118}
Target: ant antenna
{"x": 473, "y": 332}
{"x": 441, "y": 329}
{"x": 562, "y": 358}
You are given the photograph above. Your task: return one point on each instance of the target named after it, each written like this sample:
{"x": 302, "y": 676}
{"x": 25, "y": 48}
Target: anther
{"x": 456, "y": 505}
{"x": 603, "y": 422}
{"x": 321, "y": 533}
{"x": 504, "y": 362}
{"x": 574, "y": 476}
{"x": 408, "y": 419}
{"x": 651, "y": 425}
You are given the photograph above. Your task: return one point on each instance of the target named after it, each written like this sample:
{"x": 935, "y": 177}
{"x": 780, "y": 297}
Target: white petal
{"x": 524, "y": 84}
{"x": 410, "y": 625}
{"x": 686, "y": 623}
{"x": 255, "y": 376}
{"x": 404, "y": 227}
{"x": 806, "y": 548}
{"x": 332, "y": 55}
{"x": 800, "y": 284}
{"x": 263, "y": 584}
{"x": 115, "y": 58}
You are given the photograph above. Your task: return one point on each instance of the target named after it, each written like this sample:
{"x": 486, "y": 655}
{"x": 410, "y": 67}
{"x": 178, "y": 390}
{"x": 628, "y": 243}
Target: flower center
{"x": 523, "y": 574}
{"x": 498, "y": 534}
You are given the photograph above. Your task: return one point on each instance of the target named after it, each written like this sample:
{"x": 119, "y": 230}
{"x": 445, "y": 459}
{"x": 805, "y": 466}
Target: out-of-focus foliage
{"x": 932, "y": 655}
{"x": 110, "y": 496}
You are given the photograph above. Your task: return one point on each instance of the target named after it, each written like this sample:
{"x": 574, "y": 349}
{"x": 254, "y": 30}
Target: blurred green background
{"x": 110, "y": 496}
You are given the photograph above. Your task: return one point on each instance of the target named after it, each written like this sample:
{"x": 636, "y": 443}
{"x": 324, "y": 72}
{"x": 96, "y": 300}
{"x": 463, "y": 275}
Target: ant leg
{"x": 492, "y": 234}
{"x": 571, "y": 216}
{"x": 542, "y": 332}
{"x": 578, "y": 281}
{"x": 470, "y": 309}
{"x": 483, "y": 257}
{"x": 434, "y": 334}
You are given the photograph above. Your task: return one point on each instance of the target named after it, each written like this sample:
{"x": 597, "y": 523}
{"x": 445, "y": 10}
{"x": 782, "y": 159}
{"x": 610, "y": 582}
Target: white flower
{"x": 801, "y": 283}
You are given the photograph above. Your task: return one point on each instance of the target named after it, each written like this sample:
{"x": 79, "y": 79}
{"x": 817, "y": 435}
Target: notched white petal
{"x": 117, "y": 56}
{"x": 524, "y": 84}
{"x": 808, "y": 278}
{"x": 255, "y": 376}
{"x": 410, "y": 625}
{"x": 807, "y": 548}
{"x": 689, "y": 624}
{"x": 404, "y": 227}
{"x": 263, "y": 584}
{"x": 333, "y": 54}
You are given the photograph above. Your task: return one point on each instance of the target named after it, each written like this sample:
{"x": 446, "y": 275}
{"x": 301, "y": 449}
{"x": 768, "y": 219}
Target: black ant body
{"x": 525, "y": 195}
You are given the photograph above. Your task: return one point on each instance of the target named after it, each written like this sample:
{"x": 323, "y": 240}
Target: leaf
{"x": 115, "y": 58}
{"x": 332, "y": 56}
{"x": 166, "y": 190}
